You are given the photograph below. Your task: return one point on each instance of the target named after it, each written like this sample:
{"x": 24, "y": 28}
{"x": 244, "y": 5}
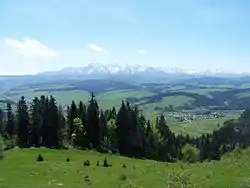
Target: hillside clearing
{"x": 20, "y": 169}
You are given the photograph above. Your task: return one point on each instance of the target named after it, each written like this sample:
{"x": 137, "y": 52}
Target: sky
{"x": 45, "y": 35}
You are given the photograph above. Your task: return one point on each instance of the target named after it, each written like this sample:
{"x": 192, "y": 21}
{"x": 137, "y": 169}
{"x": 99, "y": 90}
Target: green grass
{"x": 204, "y": 91}
{"x": 62, "y": 97}
{"x": 20, "y": 169}
{"x": 105, "y": 100}
{"x": 178, "y": 100}
{"x": 114, "y": 98}
{"x": 198, "y": 127}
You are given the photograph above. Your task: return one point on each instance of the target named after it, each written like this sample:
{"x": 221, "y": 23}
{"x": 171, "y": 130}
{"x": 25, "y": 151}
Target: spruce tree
{"x": 44, "y": 127}
{"x": 1, "y": 123}
{"x": 53, "y": 124}
{"x": 71, "y": 116}
{"x": 93, "y": 127}
{"x": 35, "y": 120}
{"x": 103, "y": 126}
{"x": 122, "y": 130}
{"x": 10, "y": 125}
{"x": 23, "y": 124}
{"x": 82, "y": 113}
{"x": 62, "y": 129}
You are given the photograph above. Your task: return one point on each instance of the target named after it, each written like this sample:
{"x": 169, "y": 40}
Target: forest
{"x": 124, "y": 131}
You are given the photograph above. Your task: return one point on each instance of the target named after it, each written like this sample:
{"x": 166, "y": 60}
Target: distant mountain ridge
{"x": 112, "y": 69}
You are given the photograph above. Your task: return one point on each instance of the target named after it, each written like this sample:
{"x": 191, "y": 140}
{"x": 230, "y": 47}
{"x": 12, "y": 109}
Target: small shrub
{"x": 105, "y": 162}
{"x": 87, "y": 178}
{"x": 97, "y": 163}
{"x": 123, "y": 177}
{"x": 190, "y": 154}
{"x": 39, "y": 158}
{"x": 124, "y": 166}
{"x": 67, "y": 160}
{"x": 86, "y": 163}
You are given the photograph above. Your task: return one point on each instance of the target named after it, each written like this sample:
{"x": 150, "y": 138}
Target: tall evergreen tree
{"x": 44, "y": 126}
{"x": 103, "y": 126}
{"x": 1, "y": 123}
{"x": 71, "y": 116}
{"x": 53, "y": 124}
{"x": 10, "y": 124}
{"x": 62, "y": 129}
{"x": 35, "y": 121}
{"x": 93, "y": 126}
{"x": 122, "y": 130}
{"x": 163, "y": 128}
{"x": 23, "y": 124}
{"x": 82, "y": 113}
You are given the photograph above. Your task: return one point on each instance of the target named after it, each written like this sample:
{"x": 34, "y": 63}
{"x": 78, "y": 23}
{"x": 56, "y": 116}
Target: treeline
{"x": 125, "y": 131}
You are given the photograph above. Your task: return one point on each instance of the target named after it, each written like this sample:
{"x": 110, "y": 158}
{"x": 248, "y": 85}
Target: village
{"x": 189, "y": 116}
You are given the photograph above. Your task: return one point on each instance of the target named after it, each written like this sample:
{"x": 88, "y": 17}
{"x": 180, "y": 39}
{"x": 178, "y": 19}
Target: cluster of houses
{"x": 192, "y": 116}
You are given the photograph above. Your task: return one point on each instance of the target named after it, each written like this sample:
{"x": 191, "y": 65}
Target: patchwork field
{"x": 198, "y": 127}
{"x": 152, "y": 99}
{"x": 22, "y": 170}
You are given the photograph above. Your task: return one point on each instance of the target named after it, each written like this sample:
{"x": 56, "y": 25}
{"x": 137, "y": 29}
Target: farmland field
{"x": 21, "y": 170}
{"x": 198, "y": 127}
{"x": 151, "y": 99}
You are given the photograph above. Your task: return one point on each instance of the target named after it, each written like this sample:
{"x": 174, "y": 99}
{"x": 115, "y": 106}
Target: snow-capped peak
{"x": 114, "y": 68}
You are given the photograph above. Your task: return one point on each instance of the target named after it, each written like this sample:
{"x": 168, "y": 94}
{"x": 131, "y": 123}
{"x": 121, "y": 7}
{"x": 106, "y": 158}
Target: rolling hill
{"x": 22, "y": 170}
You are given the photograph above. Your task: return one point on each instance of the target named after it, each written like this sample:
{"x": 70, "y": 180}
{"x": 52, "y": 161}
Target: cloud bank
{"x": 30, "y": 48}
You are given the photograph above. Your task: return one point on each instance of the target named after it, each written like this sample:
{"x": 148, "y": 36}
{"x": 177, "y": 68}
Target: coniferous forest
{"x": 123, "y": 131}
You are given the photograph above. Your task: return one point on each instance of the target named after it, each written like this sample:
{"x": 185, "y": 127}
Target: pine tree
{"x": 162, "y": 126}
{"x": 71, "y": 116}
{"x": 82, "y": 113}
{"x": 44, "y": 127}
{"x": 122, "y": 130}
{"x": 103, "y": 126}
{"x": 53, "y": 124}
{"x": 93, "y": 127}
{"x": 36, "y": 115}
{"x": 2, "y": 131}
{"x": 62, "y": 129}
{"x": 23, "y": 124}
{"x": 150, "y": 142}
{"x": 10, "y": 125}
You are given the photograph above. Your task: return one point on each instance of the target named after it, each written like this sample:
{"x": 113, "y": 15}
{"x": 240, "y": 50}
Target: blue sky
{"x": 46, "y": 35}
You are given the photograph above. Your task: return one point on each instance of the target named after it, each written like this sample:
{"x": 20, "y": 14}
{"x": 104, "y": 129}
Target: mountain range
{"x": 112, "y": 69}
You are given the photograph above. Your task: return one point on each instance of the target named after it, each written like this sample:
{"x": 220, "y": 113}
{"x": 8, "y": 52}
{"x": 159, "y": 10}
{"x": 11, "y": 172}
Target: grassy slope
{"x": 19, "y": 169}
{"x": 106, "y": 100}
{"x": 62, "y": 97}
{"x": 114, "y": 98}
{"x": 199, "y": 126}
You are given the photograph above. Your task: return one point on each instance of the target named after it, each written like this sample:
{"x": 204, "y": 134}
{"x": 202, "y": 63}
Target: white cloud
{"x": 30, "y": 48}
{"x": 143, "y": 52}
{"x": 97, "y": 48}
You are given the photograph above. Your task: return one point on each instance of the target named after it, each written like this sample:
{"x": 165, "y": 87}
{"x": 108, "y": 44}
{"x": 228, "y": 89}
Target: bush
{"x": 123, "y": 177}
{"x": 87, "y": 178}
{"x": 86, "y": 163}
{"x": 124, "y": 166}
{"x": 190, "y": 154}
{"x": 105, "y": 163}
{"x": 39, "y": 158}
{"x": 97, "y": 163}
{"x": 67, "y": 160}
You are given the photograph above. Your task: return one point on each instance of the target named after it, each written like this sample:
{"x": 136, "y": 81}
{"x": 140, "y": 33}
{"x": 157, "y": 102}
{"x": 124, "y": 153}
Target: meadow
{"x": 20, "y": 169}
{"x": 198, "y": 127}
